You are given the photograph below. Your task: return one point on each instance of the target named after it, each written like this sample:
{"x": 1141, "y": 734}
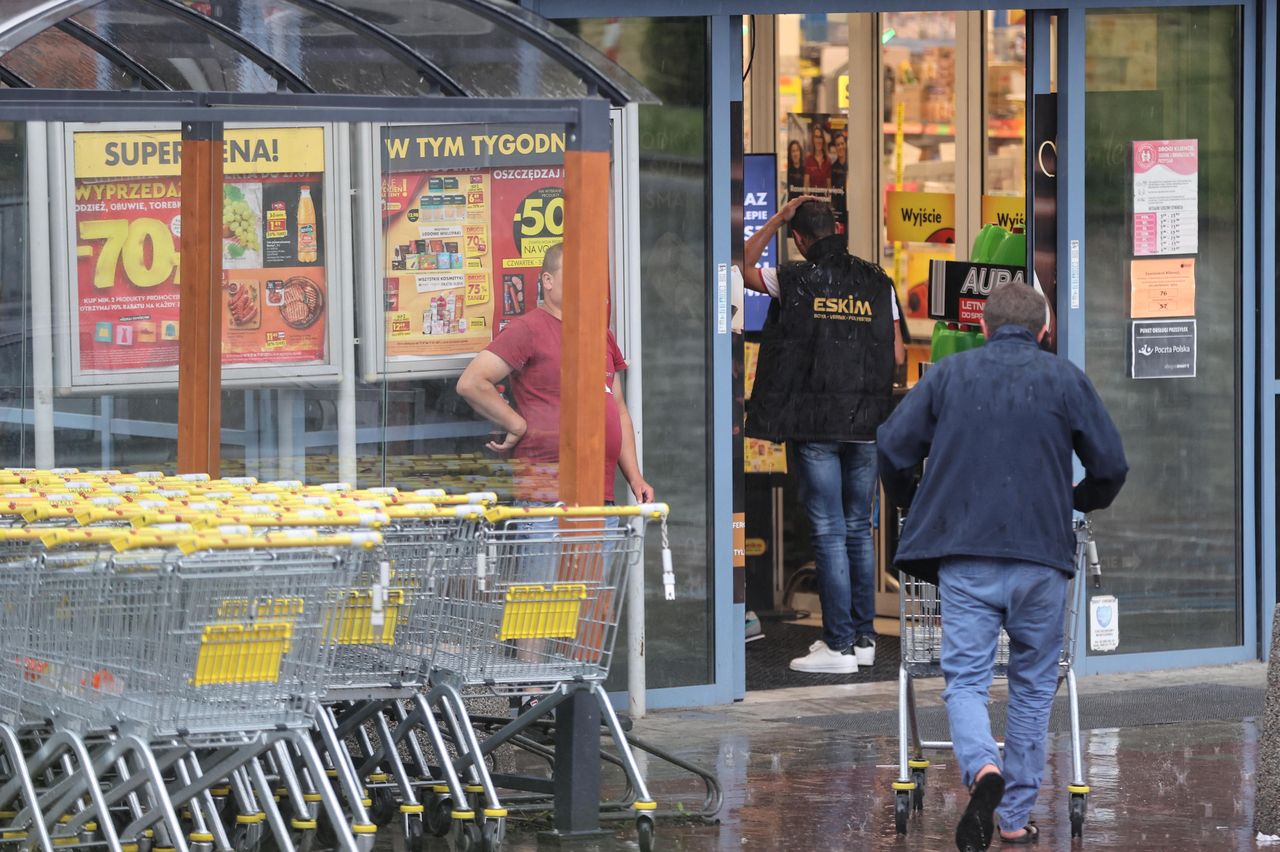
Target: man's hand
{"x": 789, "y": 209}
{"x": 755, "y": 244}
{"x": 514, "y": 436}
{"x": 642, "y": 490}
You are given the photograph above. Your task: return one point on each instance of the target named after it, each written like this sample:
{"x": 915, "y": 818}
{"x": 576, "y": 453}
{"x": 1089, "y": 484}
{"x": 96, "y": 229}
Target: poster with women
{"x": 817, "y": 160}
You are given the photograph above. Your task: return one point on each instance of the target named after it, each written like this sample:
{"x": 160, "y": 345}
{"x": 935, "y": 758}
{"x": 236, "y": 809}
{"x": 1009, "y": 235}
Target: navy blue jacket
{"x": 998, "y": 425}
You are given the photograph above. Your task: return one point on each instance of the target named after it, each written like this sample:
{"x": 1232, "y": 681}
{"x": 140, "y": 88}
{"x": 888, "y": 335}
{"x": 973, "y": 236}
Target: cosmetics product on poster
{"x": 126, "y": 237}
{"x": 467, "y": 213}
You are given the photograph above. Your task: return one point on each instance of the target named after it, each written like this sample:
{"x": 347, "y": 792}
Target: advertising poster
{"x": 1044, "y": 215}
{"x": 759, "y": 456}
{"x": 817, "y": 161}
{"x": 127, "y": 223}
{"x": 1166, "y": 174}
{"x": 760, "y": 203}
{"x": 467, "y": 213}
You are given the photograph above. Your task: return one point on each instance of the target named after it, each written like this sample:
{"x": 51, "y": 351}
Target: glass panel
{"x": 813, "y": 79}
{"x": 669, "y": 56}
{"x": 185, "y": 56}
{"x": 15, "y": 308}
{"x": 488, "y": 60}
{"x": 328, "y": 55}
{"x": 462, "y": 244}
{"x": 1006, "y": 88}
{"x": 604, "y": 60}
{"x": 919, "y": 67}
{"x": 55, "y": 60}
{"x": 1172, "y": 539}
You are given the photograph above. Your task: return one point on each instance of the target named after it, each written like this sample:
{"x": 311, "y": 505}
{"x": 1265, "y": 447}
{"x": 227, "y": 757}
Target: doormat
{"x": 769, "y": 659}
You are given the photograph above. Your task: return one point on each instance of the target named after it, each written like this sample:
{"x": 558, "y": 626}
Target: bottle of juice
{"x": 306, "y": 227}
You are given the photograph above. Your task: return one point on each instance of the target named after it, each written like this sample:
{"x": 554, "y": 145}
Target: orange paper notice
{"x": 1162, "y": 288}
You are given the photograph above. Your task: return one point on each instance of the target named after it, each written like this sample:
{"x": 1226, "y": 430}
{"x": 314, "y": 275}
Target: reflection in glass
{"x": 55, "y": 60}
{"x": 1172, "y": 539}
{"x": 186, "y": 57}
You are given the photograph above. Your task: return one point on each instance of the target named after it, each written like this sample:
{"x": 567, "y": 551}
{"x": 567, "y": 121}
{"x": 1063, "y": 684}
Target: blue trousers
{"x": 979, "y": 596}
{"x": 838, "y": 484}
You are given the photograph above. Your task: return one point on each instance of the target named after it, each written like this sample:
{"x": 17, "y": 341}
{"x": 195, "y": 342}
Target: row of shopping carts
{"x": 198, "y": 665}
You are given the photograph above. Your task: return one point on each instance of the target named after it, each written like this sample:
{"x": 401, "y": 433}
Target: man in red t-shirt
{"x": 528, "y": 350}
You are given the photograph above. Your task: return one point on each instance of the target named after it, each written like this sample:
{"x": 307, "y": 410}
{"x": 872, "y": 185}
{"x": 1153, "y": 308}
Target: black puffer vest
{"x": 826, "y": 357}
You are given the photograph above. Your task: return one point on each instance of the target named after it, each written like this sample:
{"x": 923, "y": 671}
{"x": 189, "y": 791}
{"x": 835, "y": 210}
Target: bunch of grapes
{"x": 238, "y": 216}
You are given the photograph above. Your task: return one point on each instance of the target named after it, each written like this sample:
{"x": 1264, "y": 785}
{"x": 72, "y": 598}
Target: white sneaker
{"x": 865, "y": 651}
{"x": 822, "y": 660}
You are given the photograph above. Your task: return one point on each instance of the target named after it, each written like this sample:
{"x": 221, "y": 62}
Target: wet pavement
{"x": 794, "y": 780}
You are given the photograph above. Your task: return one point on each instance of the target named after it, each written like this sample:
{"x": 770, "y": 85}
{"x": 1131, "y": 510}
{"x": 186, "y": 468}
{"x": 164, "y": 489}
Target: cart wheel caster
{"x": 304, "y": 841}
{"x": 644, "y": 832}
{"x": 415, "y": 839}
{"x": 439, "y": 815}
{"x": 385, "y": 807}
{"x": 492, "y": 833}
{"x": 1078, "y": 807}
{"x": 917, "y": 795}
{"x": 468, "y": 838}
{"x": 247, "y": 838}
{"x": 901, "y": 810}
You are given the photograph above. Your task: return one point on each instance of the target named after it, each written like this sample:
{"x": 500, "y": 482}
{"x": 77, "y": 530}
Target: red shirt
{"x": 531, "y": 347}
{"x": 818, "y": 172}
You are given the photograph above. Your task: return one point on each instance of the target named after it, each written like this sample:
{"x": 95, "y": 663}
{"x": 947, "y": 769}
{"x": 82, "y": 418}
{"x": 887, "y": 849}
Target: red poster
{"x": 467, "y": 213}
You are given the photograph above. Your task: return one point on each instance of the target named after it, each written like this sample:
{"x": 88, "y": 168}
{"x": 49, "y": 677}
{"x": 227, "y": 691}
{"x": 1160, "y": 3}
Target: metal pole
{"x": 39, "y": 250}
{"x": 347, "y": 387}
{"x": 629, "y": 193}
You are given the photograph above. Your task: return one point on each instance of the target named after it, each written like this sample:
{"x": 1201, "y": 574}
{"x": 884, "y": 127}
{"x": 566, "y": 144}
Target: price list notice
{"x": 1165, "y": 197}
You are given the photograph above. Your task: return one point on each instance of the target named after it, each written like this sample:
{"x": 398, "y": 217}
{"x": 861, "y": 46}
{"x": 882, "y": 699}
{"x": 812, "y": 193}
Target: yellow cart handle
{"x": 79, "y": 536}
{"x": 22, "y": 534}
{"x": 649, "y": 511}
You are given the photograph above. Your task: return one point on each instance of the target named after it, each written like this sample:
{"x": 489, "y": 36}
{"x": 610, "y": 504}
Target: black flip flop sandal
{"x": 977, "y": 826}
{"x": 1030, "y": 834}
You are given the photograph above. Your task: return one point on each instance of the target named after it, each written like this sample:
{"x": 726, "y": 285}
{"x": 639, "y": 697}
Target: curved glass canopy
{"x": 463, "y": 48}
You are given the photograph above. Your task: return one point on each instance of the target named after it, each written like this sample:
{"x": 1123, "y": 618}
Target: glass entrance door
{"x": 1163, "y": 269}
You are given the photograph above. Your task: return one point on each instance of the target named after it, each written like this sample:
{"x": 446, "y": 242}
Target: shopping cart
{"x": 373, "y": 710}
{"x": 921, "y": 621}
{"x": 533, "y": 617}
{"x": 161, "y": 665}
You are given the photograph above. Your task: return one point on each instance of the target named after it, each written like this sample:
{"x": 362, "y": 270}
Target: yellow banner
{"x": 921, "y": 217}
{"x": 1007, "y": 211}
{"x": 245, "y": 151}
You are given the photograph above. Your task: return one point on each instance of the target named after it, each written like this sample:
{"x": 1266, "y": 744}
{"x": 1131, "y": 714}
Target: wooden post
{"x": 200, "y": 312}
{"x": 586, "y": 320}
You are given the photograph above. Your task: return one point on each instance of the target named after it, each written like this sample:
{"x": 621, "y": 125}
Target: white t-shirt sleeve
{"x": 769, "y": 275}
{"x": 895, "y": 308}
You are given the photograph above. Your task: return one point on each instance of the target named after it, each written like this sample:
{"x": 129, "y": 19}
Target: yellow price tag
{"x": 478, "y": 291}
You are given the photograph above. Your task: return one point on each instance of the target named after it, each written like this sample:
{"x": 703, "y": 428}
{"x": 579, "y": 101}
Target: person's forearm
{"x": 628, "y": 459}
{"x": 483, "y": 396}
{"x": 754, "y": 248}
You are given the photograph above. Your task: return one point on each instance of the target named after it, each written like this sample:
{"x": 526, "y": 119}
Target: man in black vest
{"x": 825, "y": 384}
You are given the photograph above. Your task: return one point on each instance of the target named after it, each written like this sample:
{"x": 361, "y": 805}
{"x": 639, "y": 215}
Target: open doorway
{"x": 929, "y": 108}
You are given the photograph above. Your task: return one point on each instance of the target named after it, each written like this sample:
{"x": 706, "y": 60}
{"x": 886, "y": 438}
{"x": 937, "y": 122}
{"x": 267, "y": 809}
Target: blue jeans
{"x": 978, "y": 597}
{"x": 838, "y": 484}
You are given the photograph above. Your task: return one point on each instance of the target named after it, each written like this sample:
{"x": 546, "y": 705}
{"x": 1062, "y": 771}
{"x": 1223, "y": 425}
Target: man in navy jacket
{"x": 990, "y": 523}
